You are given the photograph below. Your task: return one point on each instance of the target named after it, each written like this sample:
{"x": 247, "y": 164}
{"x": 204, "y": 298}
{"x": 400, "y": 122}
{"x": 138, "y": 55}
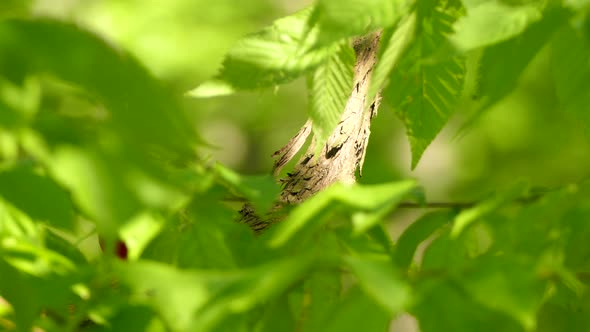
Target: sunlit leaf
{"x": 339, "y": 19}
{"x": 33, "y": 278}
{"x": 492, "y": 22}
{"x": 174, "y": 294}
{"x": 201, "y": 299}
{"x": 127, "y": 90}
{"x": 275, "y": 55}
{"x": 368, "y": 197}
{"x": 425, "y": 89}
{"x": 498, "y": 78}
{"x": 15, "y": 7}
{"x": 212, "y": 89}
{"x": 38, "y": 196}
{"x": 577, "y": 4}
{"x": 94, "y": 182}
{"x": 138, "y": 232}
{"x": 329, "y": 86}
{"x": 395, "y": 42}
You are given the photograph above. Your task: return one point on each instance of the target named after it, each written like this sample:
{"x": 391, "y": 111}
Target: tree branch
{"x": 343, "y": 152}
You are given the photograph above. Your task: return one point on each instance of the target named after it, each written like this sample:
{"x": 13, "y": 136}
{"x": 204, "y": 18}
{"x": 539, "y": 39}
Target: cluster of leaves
{"x": 89, "y": 139}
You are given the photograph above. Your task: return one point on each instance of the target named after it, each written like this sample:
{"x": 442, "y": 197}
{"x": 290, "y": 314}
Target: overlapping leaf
{"x": 492, "y": 22}
{"x": 507, "y": 285}
{"x": 120, "y": 83}
{"x": 358, "y": 312}
{"x": 199, "y": 300}
{"x": 417, "y": 232}
{"x": 379, "y": 279}
{"x": 442, "y": 306}
{"x": 425, "y": 89}
{"x": 275, "y": 55}
{"x": 329, "y": 87}
{"x": 41, "y": 198}
{"x": 498, "y": 78}
{"x": 395, "y": 41}
{"x": 571, "y": 72}
{"x": 367, "y": 198}
{"x": 339, "y": 19}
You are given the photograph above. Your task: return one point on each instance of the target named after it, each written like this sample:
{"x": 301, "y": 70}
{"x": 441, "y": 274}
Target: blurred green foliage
{"x": 114, "y": 214}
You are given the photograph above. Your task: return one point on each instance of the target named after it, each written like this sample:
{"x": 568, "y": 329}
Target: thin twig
{"x": 426, "y": 205}
{"x": 462, "y": 205}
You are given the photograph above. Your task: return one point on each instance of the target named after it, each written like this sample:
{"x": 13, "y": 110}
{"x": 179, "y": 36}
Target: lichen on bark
{"x": 341, "y": 155}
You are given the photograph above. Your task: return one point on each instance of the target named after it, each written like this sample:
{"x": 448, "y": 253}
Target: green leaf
{"x": 571, "y": 314}
{"x": 15, "y": 223}
{"x": 213, "y": 88}
{"x": 571, "y": 72}
{"x": 338, "y": 19}
{"x": 329, "y": 87}
{"x": 577, "y": 251}
{"x": 358, "y": 312}
{"x": 425, "y": 89}
{"x": 138, "y": 232}
{"x": 379, "y": 279}
{"x": 117, "y": 80}
{"x": 484, "y": 208}
{"x": 262, "y": 191}
{"x": 60, "y": 245}
{"x": 443, "y": 306}
{"x": 275, "y": 55}
{"x": 176, "y": 295}
{"x": 416, "y": 233}
{"x": 577, "y": 4}
{"x": 323, "y": 287}
{"x": 253, "y": 287}
{"x": 509, "y": 285}
{"x": 499, "y": 77}
{"x": 38, "y": 196}
{"x": 493, "y": 22}
{"x": 360, "y": 197}
{"x": 133, "y": 318}
{"x": 445, "y": 254}
{"x": 199, "y": 300}
{"x": 34, "y": 278}
{"x": 15, "y": 7}
{"x": 395, "y": 42}
{"x": 205, "y": 236}
{"x": 277, "y": 317}
{"x": 18, "y": 103}
{"x": 94, "y": 181}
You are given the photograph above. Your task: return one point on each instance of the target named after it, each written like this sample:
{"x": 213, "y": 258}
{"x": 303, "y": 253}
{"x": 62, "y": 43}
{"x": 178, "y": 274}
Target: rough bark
{"x": 343, "y": 152}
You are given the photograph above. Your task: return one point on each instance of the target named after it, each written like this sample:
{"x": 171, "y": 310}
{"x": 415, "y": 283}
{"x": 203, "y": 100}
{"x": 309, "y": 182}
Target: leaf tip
{"x": 213, "y": 88}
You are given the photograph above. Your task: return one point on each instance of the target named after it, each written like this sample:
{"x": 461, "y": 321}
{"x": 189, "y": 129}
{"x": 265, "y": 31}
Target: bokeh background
{"x": 526, "y": 137}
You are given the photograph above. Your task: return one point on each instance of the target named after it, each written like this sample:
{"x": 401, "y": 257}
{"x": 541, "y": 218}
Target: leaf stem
{"x": 461, "y": 204}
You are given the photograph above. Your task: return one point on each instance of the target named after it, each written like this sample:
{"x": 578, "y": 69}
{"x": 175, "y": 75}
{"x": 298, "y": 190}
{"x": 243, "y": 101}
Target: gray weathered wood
{"x": 342, "y": 154}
